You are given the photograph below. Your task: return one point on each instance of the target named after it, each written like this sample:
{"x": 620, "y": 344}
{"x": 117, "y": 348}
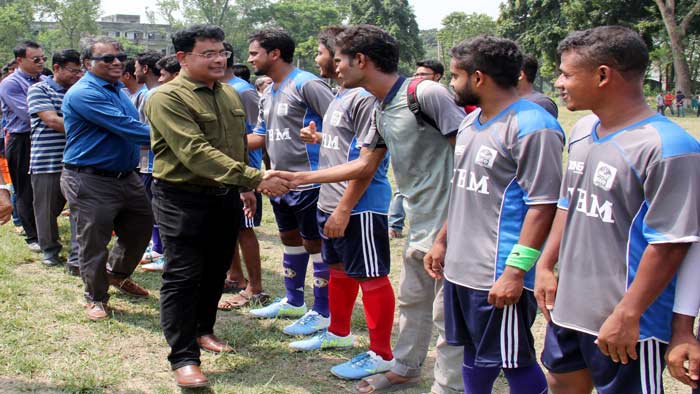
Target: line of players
{"x": 484, "y": 192}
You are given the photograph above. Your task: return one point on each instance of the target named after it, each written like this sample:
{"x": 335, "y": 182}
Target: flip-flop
{"x": 243, "y": 299}
{"x": 234, "y": 286}
{"x": 380, "y": 384}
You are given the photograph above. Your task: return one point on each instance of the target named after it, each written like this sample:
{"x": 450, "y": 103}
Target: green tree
{"x": 15, "y": 19}
{"x": 397, "y": 18}
{"x": 678, "y": 22}
{"x": 459, "y": 26}
{"x": 74, "y": 18}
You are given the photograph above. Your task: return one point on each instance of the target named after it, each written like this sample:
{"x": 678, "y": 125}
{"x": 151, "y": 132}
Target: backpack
{"x": 414, "y": 104}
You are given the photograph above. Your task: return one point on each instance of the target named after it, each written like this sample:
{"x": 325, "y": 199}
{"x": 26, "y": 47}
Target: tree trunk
{"x": 676, "y": 33}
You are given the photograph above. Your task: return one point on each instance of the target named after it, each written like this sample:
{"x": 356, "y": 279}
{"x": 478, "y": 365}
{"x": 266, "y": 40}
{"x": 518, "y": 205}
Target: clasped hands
{"x": 275, "y": 183}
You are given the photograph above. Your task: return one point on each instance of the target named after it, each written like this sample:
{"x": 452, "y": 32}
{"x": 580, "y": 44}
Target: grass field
{"x": 48, "y": 346}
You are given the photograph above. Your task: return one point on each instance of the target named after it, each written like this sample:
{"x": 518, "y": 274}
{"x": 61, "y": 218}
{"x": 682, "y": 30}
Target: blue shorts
{"x": 257, "y": 218}
{"x": 496, "y": 337}
{"x": 296, "y": 210}
{"x": 364, "y": 250}
{"x": 567, "y": 350}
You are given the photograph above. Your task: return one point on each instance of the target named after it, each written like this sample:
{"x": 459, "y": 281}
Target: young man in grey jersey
{"x": 422, "y": 158}
{"x": 628, "y": 211}
{"x": 293, "y": 101}
{"x": 506, "y": 181}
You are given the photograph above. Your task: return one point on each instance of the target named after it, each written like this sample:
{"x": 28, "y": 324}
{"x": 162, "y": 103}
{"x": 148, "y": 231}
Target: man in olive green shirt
{"x": 198, "y": 140}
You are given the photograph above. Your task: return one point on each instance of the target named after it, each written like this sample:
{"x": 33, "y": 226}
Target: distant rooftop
{"x": 121, "y": 18}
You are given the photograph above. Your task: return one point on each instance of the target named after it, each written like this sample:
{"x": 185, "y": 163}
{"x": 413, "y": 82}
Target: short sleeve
{"x": 38, "y": 100}
{"x": 251, "y": 100}
{"x": 317, "y": 94}
{"x": 260, "y": 127}
{"x": 363, "y": 111}
{"x": 538, "y": 157}
{"x": 373, "y": 139}
{"x": 438, "y": 104}
{"x": 687, "y": 300}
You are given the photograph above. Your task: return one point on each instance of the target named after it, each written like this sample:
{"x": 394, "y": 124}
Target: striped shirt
{"x": 47, "y": 144}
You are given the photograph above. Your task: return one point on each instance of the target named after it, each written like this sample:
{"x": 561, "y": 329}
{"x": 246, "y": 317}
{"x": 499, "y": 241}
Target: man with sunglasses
{"x": 13, "y": 94}
{"x": 44, "y": 101}
{"x": 104, "y": 192}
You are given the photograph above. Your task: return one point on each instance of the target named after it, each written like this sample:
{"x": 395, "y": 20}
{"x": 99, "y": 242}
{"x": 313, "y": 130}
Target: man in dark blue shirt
{"x": 103, "y": 135}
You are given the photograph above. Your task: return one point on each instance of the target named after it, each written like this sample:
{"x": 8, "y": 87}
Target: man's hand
{"x": 508, "y": 288}
{"x": 682, "y": 349}
{"x": 273, "y": 184}
{"x": 5, "y": 207}
{"x": 434, "y": 260}
{"x": 309, "y": 135}
{"x": 250, "y": 204}
{"x": 545, "y": 290}
{"x": 618, "y": 336}
{"x": 336, "y": 224}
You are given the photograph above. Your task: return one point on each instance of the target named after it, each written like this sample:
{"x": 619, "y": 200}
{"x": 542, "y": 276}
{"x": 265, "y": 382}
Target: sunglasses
{"x": 39, "y": 59}
{"x": 110, "y": 58}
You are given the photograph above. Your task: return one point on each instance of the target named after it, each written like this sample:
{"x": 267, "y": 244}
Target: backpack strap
{"x": 414, "y": 104}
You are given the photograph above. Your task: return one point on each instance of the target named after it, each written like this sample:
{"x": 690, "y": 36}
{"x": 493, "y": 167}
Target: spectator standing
{"x": 680, "y": 104}
{"x": 660, "y": 104}
{"x": 668, "y": 102}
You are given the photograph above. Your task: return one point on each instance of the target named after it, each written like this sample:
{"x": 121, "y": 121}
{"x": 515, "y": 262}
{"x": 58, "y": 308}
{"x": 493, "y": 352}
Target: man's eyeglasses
{"x": 213, "y": 55}
{"x": 110, "y": 58}
{"x": 423, "y": 74}
{"x": 39, "y": 59}
{"x": 74, "y": 71}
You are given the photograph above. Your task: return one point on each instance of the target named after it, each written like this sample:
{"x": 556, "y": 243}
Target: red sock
{"x": 342, "y": 292}
{"x": 378, "y": 300}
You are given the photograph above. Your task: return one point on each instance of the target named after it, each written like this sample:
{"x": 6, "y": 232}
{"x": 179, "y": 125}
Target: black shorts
{"x": 296, "y": 210}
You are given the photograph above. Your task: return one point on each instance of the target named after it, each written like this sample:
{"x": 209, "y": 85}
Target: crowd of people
{"x": 164, "y": 154}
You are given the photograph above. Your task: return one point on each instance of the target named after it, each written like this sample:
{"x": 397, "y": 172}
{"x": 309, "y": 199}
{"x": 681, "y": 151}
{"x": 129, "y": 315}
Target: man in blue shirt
{"x": 13, "y": 94}
{"x": 99, "y": 180}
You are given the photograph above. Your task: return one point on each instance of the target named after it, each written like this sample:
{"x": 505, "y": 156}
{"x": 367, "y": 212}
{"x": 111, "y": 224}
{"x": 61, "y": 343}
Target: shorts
{"x": 257, "y": 217}
{"x": 364, "y": 250}
{"x": 296, "y": 210}
{"x": 567, "y": 350}
{"x": 496, "y": 337}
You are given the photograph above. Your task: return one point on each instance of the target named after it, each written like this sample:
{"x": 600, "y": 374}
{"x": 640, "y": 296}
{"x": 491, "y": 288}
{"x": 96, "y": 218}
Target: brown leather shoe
{"x": 190, "y": 376}
{"x": 96, "y": 311}
{"x": 128, "y": 286}
{"x": 214, "y": 344}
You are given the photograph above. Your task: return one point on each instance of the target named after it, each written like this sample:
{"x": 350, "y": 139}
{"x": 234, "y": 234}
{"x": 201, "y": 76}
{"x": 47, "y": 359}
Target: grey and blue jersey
{"x": 501, "y": 168}
{"x": 345, "y": 125}
{"x": 250, "y": 100}
{"x": 287, "y": 107}
{"x": 634, "y": 187}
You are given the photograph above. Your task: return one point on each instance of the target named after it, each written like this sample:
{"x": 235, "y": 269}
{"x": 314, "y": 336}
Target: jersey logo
{"x": 459, "y": 150}
{"x": 486, "y": 156}
{"x": 576, "y": 166}
{"x": 279, "y": 135}
{"x": 588, "y": 204}
{"x": 336, "y": 118}
{"x": 468, "y": 181}
{"x": 330, "y": 141}
{"x": 282, "y": 109}
{"x": 604, "y": 176}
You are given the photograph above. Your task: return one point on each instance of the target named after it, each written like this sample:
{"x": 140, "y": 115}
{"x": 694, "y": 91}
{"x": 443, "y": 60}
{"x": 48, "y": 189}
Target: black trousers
{"x": 199, "y": 232}
{"x": 17, "y": 153}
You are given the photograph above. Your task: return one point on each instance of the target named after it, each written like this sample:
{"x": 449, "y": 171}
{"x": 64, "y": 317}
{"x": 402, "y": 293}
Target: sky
{"x": 429, "y": 13}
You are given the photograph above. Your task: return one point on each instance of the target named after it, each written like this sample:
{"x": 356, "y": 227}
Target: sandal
{"x": 234, "y": 286}
{"x": 244, "y": 299}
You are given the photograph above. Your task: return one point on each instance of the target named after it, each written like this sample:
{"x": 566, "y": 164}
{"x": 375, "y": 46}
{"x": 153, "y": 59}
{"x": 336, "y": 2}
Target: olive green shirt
{"x": 198, "y": 135}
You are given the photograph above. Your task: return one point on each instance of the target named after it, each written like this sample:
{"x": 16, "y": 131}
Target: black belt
{"x": 97, "y": 171}
{"x": 190, "y": 188}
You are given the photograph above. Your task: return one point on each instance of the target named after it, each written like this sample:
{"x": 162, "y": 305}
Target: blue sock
{"x": 477, "y": 380}
{"x": 295, "y": 259}
{"x": 526, "y": 380}
{"x": 321, "y": 276}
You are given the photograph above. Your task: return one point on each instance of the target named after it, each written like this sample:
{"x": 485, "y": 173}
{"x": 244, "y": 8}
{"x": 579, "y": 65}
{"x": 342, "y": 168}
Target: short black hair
{"x": 184, "y": 40}
{"x": 89, "y": 43}
{"x": 272, "y": 39}
{"x": 47, "y": 72}
{"x": 327, "y": 36}
{"x": 169, "y": 63}
{"x": 150, "y": 59}
{"x": 499, "y": 58}
{"x": 241, "y": 71}
{"x": 434, "y": 65}
{"x": 21, "y": 48}
{"x": 129, "y": 67}
{"x": 229, "y": 60}
{"x": 617, "y": 47}
{"x": 373, "y": 42}
{"x": 529, "y": 68}
{"x": 66, "y": 56}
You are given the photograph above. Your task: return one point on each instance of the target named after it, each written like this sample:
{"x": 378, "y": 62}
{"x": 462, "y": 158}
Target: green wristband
{"x": 523, "y": 257}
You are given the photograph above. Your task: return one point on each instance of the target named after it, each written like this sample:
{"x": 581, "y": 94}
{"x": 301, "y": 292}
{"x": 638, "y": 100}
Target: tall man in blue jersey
{"x": 628, "y": 211}
{"x": 295, "y": 99}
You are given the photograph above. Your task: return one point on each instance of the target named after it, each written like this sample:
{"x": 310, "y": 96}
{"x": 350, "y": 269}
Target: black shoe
{"x": 72, "y": 270}
{"x": 52, "y": 261}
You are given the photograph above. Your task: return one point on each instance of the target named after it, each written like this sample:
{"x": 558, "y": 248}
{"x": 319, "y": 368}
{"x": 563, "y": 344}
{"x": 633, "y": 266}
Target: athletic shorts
{"x": 257, "y": 218}
{"x": 296, "y": 210}
{"x": 496, "y": 337}
{"x": 567, "y": 350}
{"x": 364, "y": 250}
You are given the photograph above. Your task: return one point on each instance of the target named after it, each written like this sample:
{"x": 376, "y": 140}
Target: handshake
{"x": 276, "y": 183}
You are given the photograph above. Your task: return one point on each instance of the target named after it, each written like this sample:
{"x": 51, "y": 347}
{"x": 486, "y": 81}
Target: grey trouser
{"x": 421, "y": 305}
{"x": 48, "y": 204}
{"x": 99, "y": 205}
